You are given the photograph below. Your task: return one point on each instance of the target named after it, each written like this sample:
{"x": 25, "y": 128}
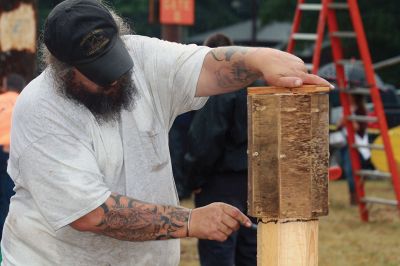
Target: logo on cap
{"x": 94, "y": 42}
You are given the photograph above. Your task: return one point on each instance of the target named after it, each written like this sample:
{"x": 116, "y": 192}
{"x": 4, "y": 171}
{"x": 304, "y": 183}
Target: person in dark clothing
{"x": 217, "y": 164}
{"x": 178, "y": 147}
{"x": 12, "y": 86}
{"x": 361, "y": 137}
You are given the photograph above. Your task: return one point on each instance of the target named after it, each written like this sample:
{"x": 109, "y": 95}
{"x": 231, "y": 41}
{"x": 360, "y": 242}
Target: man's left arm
{"x": 226, "y": 69}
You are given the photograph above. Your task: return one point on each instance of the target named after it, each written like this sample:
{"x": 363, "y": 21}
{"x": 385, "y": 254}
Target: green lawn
{"x": 343, "y": 238}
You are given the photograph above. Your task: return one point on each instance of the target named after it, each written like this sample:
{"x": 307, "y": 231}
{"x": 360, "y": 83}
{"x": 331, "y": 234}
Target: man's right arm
{"x": 128, "y": 219}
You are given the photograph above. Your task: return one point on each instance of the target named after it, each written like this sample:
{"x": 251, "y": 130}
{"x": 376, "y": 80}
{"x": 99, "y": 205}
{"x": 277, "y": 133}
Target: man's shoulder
{"x": 136, "y": 41}
{"x": 42, "y": 92}
{"x": 41, "y": 101}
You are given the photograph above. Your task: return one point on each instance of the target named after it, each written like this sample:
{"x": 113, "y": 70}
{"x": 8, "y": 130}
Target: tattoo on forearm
{"x": 234, "y": 72}
{"x": 226, "y": 53}
{"x": 128, "y": 219}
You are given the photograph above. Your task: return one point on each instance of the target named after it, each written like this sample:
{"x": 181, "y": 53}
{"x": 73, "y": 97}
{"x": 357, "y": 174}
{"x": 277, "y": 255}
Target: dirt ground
{"x": 343, "y": 238}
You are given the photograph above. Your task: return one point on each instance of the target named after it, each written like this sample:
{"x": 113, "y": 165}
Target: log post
{"x": 288, "y": 171}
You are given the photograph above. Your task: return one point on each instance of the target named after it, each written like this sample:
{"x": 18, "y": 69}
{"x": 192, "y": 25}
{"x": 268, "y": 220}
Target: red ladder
{"x": 327, "y": 13}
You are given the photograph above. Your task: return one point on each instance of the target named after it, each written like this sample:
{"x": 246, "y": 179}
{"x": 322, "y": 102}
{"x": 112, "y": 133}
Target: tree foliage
{"x": 381, "y": 20}
{"x": 209, "y": 14}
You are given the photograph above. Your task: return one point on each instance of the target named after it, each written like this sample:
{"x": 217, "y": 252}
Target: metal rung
{"x": 357, "y": 91}
{"x": 344, "y": 34}
{"x": 369, "y": 146}
{"x": 338, "y": 6}
{"x": 387, "y": 63}
{"x": 349, "y": 62}
{"x": 305, "y": 36}
{"x": 373, "y": 131}
{"x": 379, "y": 201}
{"x": 310, "y": 7}
{"x": 362, "y": 118}
{"x": 373, "y": 173}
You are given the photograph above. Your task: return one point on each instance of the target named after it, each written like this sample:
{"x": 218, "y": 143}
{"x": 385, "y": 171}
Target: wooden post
{"x": 288, "y": 171}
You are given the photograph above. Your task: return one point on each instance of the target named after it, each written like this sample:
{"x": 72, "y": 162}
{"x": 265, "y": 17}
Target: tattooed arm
{"x": 229, "y": 68}
{"x": 128, "y": 219}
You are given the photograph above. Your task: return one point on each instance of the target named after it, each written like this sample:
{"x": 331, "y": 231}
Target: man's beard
{"x": 105, "y": 107}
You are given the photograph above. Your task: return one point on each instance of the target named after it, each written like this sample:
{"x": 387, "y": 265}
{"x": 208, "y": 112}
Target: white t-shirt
{"x": 65, "y": 164}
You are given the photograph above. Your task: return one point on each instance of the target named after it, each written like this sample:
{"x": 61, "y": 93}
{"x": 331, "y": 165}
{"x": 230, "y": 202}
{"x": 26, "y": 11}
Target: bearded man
{"x": 89, "y": 143}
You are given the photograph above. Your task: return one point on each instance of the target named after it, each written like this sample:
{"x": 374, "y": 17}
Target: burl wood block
{"x": 288, "y": 152}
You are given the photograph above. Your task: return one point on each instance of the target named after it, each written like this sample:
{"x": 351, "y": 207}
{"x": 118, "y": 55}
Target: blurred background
{"x": 344, "y": 238}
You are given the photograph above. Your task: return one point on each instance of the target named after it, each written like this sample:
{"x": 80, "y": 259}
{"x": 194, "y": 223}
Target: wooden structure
{"x": 18, "y": 26}
{"x": 288, "y": 171}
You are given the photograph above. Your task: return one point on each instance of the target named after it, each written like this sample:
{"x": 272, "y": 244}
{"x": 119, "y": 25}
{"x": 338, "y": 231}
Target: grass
{"x": 343, "y": 238}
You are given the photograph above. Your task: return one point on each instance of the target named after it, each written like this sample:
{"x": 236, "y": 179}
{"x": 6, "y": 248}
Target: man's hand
{"x": 286, "y": 70}
{"x": 226, "y": 69}
{"x": 128, "y": 219}
{"x": 216, "y": 221}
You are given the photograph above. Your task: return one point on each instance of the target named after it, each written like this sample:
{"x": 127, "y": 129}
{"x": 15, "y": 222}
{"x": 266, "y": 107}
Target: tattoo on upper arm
{"x": 234, "y": 72}
{"x": 128, "y": 219}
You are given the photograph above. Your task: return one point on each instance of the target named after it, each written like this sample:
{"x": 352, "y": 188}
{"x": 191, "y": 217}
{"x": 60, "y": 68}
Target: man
{"x": 12, "y": 85}
{"x": 217, "y": 162}
{"x": 89, "y": 151}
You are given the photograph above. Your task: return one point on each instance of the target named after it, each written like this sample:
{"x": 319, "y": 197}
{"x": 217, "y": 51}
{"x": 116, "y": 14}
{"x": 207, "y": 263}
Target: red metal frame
{"x": 320, "y": 36}
{"x": 329, "y": 15}
{"x": 295, "y": 27}
{"x": 376, "y": 97}
{"x": 345, "y": 100}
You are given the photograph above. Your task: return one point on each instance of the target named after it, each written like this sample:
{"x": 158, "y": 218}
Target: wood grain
{"x": 263, "y": 147}
{"x": 284, "y": 243}
{"x": 319, "y": 154}
{"x": 295, "y": 156}
{"x": 288, "y": 155}
{"x": 280, "y": 90}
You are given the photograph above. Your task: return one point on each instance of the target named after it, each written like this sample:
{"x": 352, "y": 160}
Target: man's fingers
{"x": 289, "y": 82}
{"x": 300, "y": 79}
{"x": 237, "y": 215}
{"x": 230, "y": 222}
{"x": 218, "y": 236}
{"x": 225, "y": 229}
{"x": 314, "y": 79}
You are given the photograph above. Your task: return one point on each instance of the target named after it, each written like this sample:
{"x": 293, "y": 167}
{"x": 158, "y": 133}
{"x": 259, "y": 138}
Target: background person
{"x": 217, "y": 163}
{"x": 359, "y": 108}
{"x": 12, "y": 86}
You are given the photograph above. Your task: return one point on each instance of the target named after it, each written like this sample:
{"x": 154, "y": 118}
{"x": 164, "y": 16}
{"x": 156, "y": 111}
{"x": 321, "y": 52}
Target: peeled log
{"x": 288, "y": 171}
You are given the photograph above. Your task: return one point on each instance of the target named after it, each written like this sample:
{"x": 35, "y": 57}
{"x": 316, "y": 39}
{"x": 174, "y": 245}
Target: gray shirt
{"x": 65, "y": 164}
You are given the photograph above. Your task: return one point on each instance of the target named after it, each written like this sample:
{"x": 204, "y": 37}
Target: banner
{"x": 18, "y": 29}
{"x": 178, "y": 12}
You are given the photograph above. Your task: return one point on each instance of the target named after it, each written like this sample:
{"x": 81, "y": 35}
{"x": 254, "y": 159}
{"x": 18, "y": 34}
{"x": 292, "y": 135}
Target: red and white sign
{"x": 178, "y": 12}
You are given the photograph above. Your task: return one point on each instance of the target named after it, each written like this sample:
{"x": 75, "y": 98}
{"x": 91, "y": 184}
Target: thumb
{"x": 289, "y": 82}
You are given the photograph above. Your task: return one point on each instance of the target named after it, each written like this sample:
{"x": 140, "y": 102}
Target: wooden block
{"x": 288, "y": 152}
{"x": 287, "y": 243}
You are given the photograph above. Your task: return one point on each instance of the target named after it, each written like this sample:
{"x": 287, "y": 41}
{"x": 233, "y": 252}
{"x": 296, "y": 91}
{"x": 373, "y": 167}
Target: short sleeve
{"x": 172, "y": 70}
{"x": 63, "y": 177}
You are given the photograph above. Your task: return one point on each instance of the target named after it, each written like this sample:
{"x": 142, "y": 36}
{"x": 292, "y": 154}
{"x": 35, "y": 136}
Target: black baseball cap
{"x": 83, "y": 33}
